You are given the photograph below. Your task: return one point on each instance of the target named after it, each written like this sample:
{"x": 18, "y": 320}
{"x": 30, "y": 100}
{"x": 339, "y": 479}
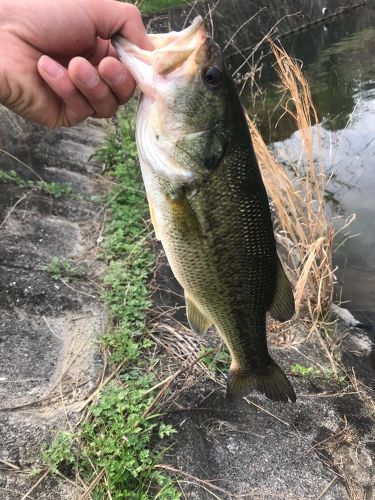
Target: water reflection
{"x": 339, "y": 63}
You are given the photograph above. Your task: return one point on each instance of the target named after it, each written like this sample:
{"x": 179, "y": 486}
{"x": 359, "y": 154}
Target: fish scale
{"x": 244, "y": 264}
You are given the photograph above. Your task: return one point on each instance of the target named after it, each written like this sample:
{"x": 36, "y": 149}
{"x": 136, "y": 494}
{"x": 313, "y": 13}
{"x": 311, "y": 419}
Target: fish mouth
{"x": 164, "y": 135}
{"x": 174, "y": 53}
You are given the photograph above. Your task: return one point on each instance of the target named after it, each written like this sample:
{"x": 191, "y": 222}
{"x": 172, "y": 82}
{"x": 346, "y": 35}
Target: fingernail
{"x": 86, "y": 74}
{"x": 51, "y": 67}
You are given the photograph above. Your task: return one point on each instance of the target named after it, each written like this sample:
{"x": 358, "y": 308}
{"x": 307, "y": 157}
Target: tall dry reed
{"x": 302, "y": 228}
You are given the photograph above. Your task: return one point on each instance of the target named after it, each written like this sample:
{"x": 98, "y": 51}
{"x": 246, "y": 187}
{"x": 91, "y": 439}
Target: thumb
{"x": 111, "y": 17}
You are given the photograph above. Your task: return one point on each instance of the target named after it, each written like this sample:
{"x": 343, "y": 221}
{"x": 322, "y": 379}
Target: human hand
{"x": 57, "y": 65}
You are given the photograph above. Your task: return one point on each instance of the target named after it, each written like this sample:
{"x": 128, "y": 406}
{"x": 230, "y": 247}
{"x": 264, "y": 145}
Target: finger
{"x": 102, "y": 49}
{"x": 118, "y": 78}
{"x": 87, "y": 80}
{"x": 113, "y": 17}
{"x": 56, "y": 76}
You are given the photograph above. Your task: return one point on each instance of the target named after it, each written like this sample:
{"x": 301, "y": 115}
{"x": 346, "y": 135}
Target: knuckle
{"x": 124, "y": 99}
{"x": 72, "y": 117}
{"x": 70, "y": 92}
{"x": 126, "y": 96}
{"x": 108, "y": 113}
{"x": 132, "y": 10}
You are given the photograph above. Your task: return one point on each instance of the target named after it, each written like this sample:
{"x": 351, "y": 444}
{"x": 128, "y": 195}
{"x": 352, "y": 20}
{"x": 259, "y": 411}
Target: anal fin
{"x": 270, "y": 381}
{"x": 282, "y": 307}
{"x": 198, "y": 322}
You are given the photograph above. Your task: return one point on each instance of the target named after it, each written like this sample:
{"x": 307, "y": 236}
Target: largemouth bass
{"x": 207, "y": 200}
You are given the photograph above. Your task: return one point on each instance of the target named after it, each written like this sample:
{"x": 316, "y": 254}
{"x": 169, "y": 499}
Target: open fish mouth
{"x": 174, "y": 53}
{"x": 181, "y": 103}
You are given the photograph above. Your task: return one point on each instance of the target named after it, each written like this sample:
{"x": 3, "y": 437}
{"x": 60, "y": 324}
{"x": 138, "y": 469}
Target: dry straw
{"x": 302, "y": 228}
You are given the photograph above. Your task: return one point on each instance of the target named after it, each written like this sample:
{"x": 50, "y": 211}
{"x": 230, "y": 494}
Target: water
{"x": 338, "y": 60}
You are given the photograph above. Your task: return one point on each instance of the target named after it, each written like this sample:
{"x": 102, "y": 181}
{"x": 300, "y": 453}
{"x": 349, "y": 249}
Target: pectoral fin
{"x": 198, "y": 322}
{"x": 282, "y": 307}
{"x": 184, "y": 218}
{"x": 153, "y": 218}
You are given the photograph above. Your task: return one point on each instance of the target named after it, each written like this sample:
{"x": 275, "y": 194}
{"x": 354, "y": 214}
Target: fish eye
{"x": 212, "y": 76}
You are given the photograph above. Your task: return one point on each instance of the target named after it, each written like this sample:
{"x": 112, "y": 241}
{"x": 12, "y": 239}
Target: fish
{"x": 207, "y": 201}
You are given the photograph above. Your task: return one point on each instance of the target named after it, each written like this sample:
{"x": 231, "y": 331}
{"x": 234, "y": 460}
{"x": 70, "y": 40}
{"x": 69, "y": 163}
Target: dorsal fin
{"x": 282, "y": 307}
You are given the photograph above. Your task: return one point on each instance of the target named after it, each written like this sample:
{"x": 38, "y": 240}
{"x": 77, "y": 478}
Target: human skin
{"x": 57, "y": 65}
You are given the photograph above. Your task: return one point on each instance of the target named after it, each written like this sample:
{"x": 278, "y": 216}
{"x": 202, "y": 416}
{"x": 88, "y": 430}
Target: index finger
{"x": 113, "y": 17}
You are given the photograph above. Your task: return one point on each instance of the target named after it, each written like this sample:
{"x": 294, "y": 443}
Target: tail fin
{"x": 271, "y": 381}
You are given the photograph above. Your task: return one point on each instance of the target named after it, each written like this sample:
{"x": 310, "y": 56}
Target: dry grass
{"x": 302, "y": 228}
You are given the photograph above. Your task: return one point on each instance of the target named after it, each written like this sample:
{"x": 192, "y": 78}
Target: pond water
{"x": 339, "y": 62}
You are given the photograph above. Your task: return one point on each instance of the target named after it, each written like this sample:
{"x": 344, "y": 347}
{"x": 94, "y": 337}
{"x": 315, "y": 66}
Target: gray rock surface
{"x": 50, "y": 359}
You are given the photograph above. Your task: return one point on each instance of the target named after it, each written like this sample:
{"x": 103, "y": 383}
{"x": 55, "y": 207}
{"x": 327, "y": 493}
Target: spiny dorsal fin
{"x": 270, "y": 380}
{"x": 282, "y": 307}
{"x": 198, "y": 322}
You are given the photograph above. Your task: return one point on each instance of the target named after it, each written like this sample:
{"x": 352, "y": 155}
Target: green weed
{"x": 60, "y": 452}
{"x": 325, "y": 375}
{"x": 63, "y": 270}
{"x": 216, "y": 360}
{"x": 303, "y": 371}
{"x": 12, "y": 176}
{"x": 54, "y": 189}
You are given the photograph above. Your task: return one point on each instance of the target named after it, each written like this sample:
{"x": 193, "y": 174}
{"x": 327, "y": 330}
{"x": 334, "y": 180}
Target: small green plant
{"x": 106, "y": 155}
{"x": 333, "y": 377}
{"x": 63, "y": 270}
{"x": 216, "y": 360}
{"x": 12, "y": 176}
{"x": 303, "y": 371}
{"x": 324, "y": 375}
{"x": 54, "y": 189}
{"x": 118, "y": 437}
{"x": 60, "y": 452}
